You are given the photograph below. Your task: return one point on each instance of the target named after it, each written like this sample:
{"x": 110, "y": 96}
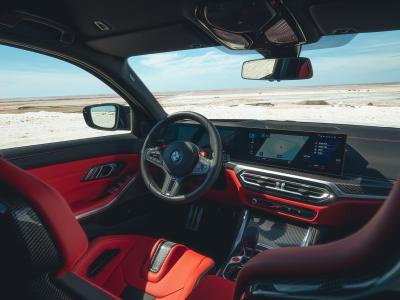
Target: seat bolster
{"x": 122, "y": 242}
{"x": 213, "y": 288}
{"x": 179, "y": 274}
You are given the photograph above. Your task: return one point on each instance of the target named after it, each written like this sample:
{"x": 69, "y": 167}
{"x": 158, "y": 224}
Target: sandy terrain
{"x": 35, "y": 121}
{"x": 375, "y": 105}
{"x": 65, "y": 105}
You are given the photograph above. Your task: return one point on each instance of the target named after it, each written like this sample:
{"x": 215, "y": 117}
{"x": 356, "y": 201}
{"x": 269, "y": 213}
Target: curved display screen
{"x": 317, "y": 152}
{"x": 304, "y": 151}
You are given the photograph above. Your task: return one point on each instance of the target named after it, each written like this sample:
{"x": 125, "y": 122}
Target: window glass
{"x": 356, "y": 81}
{"x": 41, "y": 99}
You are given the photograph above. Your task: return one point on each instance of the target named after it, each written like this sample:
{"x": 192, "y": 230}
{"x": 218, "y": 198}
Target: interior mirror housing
{"x": 287, "y": 68}
{"x": 108, "y": 116}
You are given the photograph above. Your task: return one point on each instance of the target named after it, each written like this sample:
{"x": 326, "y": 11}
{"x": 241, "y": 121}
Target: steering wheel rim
{"x": 178, "y": 158}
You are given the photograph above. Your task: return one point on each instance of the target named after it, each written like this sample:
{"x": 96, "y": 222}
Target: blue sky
{"x": 368, "y": 58}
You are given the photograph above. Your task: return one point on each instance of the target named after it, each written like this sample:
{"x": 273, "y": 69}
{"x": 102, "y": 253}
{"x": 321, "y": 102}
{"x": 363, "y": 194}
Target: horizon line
{"x": 61, "y": 97}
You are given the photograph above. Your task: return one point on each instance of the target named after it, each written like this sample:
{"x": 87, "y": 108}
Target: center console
{"x": 258, "y": 232}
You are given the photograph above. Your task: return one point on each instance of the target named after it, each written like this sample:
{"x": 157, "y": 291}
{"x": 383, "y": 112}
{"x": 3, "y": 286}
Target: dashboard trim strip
{"x": 340, "y": 194}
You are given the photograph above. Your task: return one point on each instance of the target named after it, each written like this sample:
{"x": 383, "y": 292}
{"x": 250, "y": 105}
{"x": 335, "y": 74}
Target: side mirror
{"x": 108, "y": 116}
{"x": 288, "y": 68}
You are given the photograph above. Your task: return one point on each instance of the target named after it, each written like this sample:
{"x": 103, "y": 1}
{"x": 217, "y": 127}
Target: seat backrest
{"x": 51, "y": 209}
{"x": 360, "y": 259}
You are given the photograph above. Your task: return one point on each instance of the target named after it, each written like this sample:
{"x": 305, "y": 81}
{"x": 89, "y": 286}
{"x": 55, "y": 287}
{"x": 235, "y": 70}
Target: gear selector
{"x": 249, "y": 244}
{"x": 250, "y": 240}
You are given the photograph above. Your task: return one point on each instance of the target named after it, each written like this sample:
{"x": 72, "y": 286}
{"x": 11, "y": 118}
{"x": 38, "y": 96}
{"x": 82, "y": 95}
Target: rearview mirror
{"x": 108, "y": 116}
{"x": 287, "y": 68}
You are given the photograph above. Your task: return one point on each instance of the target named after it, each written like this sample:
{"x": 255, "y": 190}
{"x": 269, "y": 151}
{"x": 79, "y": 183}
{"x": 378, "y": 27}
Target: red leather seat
{"x": 213, "y": 288}
{"x": 182, "y": 268}
{"x": 179, "y": 271}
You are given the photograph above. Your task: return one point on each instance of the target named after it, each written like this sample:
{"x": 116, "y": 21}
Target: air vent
{"x": 304, "y": 191}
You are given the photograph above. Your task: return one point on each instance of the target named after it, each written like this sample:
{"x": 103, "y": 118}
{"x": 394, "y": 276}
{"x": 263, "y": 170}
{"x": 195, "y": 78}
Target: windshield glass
{"x": 356, "y": 83}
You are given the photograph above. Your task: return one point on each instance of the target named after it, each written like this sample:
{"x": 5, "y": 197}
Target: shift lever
{"x": 249, "y": 244}
{"x": 250, "y": 240}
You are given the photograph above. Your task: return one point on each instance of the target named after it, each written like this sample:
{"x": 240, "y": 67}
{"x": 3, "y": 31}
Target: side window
{"x": 42, "y": 101}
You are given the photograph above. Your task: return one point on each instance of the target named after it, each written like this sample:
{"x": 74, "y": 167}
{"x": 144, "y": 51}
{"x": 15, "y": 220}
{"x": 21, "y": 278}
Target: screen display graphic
{"x": 310, "y": 151}
{"x": 281, "y": 146}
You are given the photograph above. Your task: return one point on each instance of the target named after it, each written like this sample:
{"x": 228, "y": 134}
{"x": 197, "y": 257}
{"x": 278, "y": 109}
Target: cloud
{"x": 159, "y": 60}
{"x": 186, "y": 70}
{"x": 368, "y": 58}
{"x": 184, "y": 62}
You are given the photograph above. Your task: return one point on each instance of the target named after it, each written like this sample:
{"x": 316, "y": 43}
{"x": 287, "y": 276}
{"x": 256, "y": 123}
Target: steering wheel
{"x": 180, "y": 160}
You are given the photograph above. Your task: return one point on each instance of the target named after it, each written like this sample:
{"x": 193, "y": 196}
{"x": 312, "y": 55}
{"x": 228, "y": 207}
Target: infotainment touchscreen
{"x": 310, "y": 151}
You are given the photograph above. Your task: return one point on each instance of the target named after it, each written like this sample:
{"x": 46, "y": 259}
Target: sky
{"x": 368, "y": 58}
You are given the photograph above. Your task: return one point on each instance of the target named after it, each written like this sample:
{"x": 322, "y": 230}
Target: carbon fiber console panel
{"x": 276, "y": 233}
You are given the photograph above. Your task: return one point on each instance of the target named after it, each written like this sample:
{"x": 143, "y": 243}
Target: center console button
{"x": 235, "y": 259}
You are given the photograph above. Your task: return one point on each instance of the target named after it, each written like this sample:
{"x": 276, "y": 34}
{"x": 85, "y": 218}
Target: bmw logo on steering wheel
{"x": 176, "y": 156}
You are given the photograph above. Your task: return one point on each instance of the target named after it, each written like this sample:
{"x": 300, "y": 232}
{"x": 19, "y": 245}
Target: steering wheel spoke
{"x": 202, "y": 167}
{"x": 171, "y": 186}
{"x": 153, "y": 156}
{"x": 179, "y": 160}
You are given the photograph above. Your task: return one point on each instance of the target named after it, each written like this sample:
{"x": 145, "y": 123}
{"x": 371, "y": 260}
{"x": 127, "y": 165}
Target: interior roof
{"x": 148, "y": 26}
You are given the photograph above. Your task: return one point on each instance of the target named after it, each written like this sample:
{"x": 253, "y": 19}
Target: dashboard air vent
{"x": 305, "y": 191}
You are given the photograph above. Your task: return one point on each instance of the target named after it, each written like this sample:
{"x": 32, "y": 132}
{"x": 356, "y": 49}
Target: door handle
{"x": 103, "y": 171}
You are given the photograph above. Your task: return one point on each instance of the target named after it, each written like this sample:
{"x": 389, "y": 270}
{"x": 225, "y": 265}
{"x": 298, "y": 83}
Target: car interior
{"x": 184, "y": 207}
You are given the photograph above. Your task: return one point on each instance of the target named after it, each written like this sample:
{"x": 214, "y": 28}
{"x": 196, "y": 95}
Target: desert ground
{"x": 34, "y": 121}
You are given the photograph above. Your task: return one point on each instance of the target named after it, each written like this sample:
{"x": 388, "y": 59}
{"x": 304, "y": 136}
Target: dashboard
{"x": 309, "y": 172}
{"x": 314, "y": 152}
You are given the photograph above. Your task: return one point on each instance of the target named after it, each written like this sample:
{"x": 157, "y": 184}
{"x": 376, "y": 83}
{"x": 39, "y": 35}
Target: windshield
{"x": 356, "y": 83}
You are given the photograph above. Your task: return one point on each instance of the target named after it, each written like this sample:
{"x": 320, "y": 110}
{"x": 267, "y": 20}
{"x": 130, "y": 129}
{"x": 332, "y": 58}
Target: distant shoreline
{"x": 216, "y": 91}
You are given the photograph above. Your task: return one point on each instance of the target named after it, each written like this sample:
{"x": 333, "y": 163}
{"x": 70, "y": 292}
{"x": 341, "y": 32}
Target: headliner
{"x": 149, "y": 26}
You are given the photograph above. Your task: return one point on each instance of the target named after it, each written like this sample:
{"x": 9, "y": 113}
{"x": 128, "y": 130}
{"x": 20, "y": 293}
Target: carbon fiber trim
{"x": 277, "y": 234}
{"x": 29, "y": 255}
{"x": 27, "y": 236}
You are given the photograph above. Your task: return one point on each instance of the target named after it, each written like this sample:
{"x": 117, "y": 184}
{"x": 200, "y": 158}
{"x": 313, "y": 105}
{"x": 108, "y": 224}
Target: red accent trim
{"x": 179, "y": 274}
{"x": 305, "y": 70}
{"x": 213, "y": 288}
{"x": 84, "y": 196}
{"x": 340, "y": 213}
{"x": 52, "y": 208}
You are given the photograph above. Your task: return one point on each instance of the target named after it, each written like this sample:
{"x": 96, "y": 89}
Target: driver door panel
{"x": 90, "y": 174}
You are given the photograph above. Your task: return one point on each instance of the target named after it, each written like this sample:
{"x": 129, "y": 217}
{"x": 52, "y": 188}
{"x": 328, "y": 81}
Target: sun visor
{"x": 162, "y": 39}
{"x": 354, "y": 16}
